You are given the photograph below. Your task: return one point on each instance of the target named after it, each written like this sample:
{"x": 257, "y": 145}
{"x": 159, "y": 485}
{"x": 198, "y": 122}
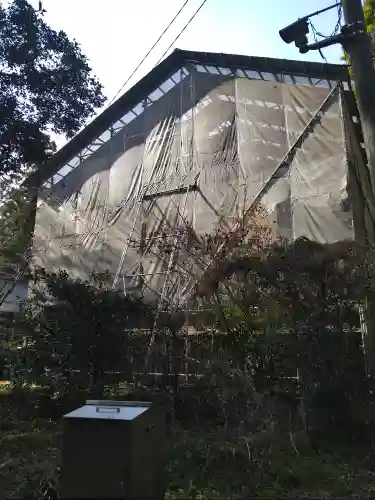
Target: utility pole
{"x": 359, "y": 49}
{"x": 357, "y": 43}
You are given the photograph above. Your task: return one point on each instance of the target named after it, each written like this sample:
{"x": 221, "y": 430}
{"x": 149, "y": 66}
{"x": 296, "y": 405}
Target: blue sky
{"x": 115, "y": 34}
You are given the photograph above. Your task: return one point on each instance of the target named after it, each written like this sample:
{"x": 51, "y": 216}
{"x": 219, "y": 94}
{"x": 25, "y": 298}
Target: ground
{"x": 203, "y": 464}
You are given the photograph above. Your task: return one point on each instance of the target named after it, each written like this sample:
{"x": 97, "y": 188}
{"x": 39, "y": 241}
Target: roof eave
{"x": 176, "y": 60}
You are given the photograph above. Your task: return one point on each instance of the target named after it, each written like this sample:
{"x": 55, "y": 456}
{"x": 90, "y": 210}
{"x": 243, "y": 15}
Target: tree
{"x": 281, "y": 310}
{"x": 16, "y": 229}
{"x": 77, "y": 333}
{"x": 295, "y": 308}
{"x": 369, "y": 13}
{"x": 46, "y": 86}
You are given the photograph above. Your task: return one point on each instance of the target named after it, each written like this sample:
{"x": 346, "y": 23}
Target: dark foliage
{"x": 16, "y": 230}
{"x": 292, "y": 323}
{"x": 278, "y": 362}
{"x": 287, "y": 323}
{"x": 77, "y": 334}
{"x": 45, "y": 86}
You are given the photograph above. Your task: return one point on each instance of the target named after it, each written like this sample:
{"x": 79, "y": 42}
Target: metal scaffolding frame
{"x": 284, "y": 164}
{"x": 163, "y": 78}
{"x": 179, "y": 66}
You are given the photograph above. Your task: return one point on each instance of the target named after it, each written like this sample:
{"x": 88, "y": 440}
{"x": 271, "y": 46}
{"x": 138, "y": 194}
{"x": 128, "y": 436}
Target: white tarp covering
{"x": 225, "y": 135}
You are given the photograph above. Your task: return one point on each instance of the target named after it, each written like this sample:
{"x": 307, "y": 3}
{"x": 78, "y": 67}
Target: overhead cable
{"x": 183, "y": 29}
{"x": 335, "y": 31}
{"x": 150, "y": 50}
{"x": 132, "y": 74}
{"x": 22, "y": 271}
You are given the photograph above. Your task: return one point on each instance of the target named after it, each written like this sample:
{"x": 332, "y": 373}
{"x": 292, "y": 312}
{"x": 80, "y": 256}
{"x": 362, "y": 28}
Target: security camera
{"x": 296, "y": 32}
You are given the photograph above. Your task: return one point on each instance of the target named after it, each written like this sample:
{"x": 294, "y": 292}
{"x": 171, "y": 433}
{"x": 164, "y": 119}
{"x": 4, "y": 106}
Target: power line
{"x": 336, "y": 28}
{"x": 335, "y": 31}
{"x": 339, "y": 19}
{"x": 157, "y": 41}
{"x": 149, "y": 52}
{"x": 25, "y": 267}
{"x": 316, "y": 34}
{"x": 183, "y": 29}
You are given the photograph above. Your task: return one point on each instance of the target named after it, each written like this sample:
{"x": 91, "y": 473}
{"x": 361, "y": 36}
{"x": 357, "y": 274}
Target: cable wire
{"x": 336, "y": 28}
{"x": 339, "y": 19}
{"x": 316, "y": 34}
{"x": 335, "y": 31}
{"x": 24, "y": 268}
{"x": 150, "y": 50}
{"x": 183, "y": 29}
{"x": 127, "y": 81}
{"x": 22, "y": 271}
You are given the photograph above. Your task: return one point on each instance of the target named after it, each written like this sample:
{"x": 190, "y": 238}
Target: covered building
{"x": 198, "y": 141}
